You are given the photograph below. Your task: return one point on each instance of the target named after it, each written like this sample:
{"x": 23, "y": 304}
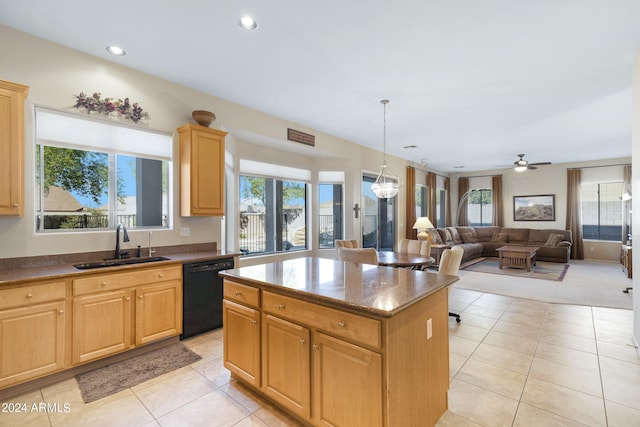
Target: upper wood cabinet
{"x": 12, "y": 96}
{"x": 201, "y": 171}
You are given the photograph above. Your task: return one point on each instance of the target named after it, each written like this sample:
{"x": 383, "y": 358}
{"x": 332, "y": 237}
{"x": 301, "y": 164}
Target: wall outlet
{"x": 429, "y": 328}
{"x": 184, "y": 231}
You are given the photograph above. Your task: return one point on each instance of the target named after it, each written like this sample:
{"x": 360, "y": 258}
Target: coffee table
{"x": 517, "y": 256}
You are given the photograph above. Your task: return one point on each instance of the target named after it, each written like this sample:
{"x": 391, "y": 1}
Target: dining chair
{"x": 449, "y": 265}
{"x": 359, "y": 255}
{"x": 346, "y": 243}
{"x": 418, "y": 247}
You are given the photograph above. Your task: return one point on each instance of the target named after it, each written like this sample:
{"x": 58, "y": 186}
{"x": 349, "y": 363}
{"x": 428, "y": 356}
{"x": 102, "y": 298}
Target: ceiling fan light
{"x": 520, "y": 168}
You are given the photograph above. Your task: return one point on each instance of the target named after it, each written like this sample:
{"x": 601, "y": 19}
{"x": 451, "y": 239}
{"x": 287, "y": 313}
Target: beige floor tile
{"x": 512, "y": 342}
{"x": 503, "y": 358}
{"x": 565, "y": 402}
{"x": 584, "y": 380}
{"x": 251, "y": 421}
{"x": 615, "y": 336}
{"x": 505, "y": 382}
{"x": 520, "y": 329}
{"x": 178, "y": 390}
{"x": 480, "y": 310}
{"x": 24, "y": 410}
{"x": 462, "y": 346}
{"x": 621, "y": 382}
{"x": 475, "y": 320}
{"x": 449, "y": 419}
{"x": 621, "y": 415}
{"x": 530, "y": 416}
{"x": 455, "y": 363}
{"x": 480, "y": 405}
{"x": 273, "y": 417}
{"x": 120, "y": 409}
{"x": 613, "y": 314}
{"x": 213, "y": 409}
{"x": 585, "y": 331}
{"x": 535, "y": 309}
{"x": 626, "y": 352}
{"x": 244, "y": 395}
{"x": 501, "y": 300}
{"x": 583, "y": 318}
{"x": 213, "y": 370}
{"x": 567, "y": 356}
{"x": 570, "y": 341}
{"x": 209, "y": 349}
{"x": 469, "y": 332}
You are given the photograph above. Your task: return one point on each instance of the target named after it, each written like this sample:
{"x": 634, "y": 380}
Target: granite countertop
{"x": 31, "y": 270}
{"x": 380, "y": 291}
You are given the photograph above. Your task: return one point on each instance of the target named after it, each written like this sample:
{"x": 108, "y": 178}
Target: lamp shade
{"x": 421, "y": 225}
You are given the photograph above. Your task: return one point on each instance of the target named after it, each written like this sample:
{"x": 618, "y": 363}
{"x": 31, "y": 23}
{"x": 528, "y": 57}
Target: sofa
{"x": 555, "y": 245}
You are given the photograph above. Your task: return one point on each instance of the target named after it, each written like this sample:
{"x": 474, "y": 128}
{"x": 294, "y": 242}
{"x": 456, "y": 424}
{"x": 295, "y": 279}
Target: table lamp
{"x": 422, "y": 224}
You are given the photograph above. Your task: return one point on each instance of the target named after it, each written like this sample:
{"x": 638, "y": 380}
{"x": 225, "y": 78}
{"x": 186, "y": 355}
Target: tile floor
{"x": 513, "y": 362}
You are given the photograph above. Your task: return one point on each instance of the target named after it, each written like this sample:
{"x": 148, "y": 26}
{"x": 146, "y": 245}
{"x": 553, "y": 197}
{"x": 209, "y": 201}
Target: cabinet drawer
{"x": 32, "y": 294}
{"x": 247, "y": 295}
{"x": 355, "y": 328}
{"x": 114, "y": 281}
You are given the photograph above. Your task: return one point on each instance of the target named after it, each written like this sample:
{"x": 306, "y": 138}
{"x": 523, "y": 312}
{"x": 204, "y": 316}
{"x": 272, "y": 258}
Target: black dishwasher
{"x": 202, "y": 295}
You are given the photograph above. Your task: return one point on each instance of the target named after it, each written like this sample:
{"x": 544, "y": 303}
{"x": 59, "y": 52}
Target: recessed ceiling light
{"x": 248, "y": 23}
{"x": 410, "y": 146}
{"x": 116, "y": 50}
{"x": 458, "y": 167}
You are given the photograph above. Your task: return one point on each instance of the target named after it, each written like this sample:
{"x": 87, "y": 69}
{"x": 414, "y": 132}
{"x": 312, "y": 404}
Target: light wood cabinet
{"x": 12, "y": 96}
{"x": 286, "y": 373}
{"x": 332, "y": 367}
{"x": 32, "y": 331}
{"x": 241, "y": 320}
{"x": 201, "y": 171}
{"x": 106, "y": 321}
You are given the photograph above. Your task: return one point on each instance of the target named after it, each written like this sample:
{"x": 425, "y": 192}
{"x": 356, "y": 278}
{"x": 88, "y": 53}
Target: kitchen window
{"x": 330, "y": 208}
{"x": 273, "y": 209}
{"x": 93, "y": 174}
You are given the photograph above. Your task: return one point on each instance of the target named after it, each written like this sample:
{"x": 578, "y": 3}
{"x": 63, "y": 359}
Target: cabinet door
{"x": 347, "y": 383}
{"x": 241, "y": 334}
{"x": 31, "y": 342}
{"x": 101, "y": 325}
{"x": 201, "y": 170}
{"x": 286, "y": 365}
{"x": 12, "y": 148}
{"x": 158, "y": 311}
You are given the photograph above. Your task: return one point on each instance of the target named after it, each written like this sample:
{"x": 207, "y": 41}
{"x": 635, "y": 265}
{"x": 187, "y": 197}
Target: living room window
{"x": 273, "y": 210}
{"x": 602, "y": 211}
{"x": 480, "y": 209}
{"x": 441, "y": 207}
{"x": 93, "y": 174}
{"x": 421, "y": 200}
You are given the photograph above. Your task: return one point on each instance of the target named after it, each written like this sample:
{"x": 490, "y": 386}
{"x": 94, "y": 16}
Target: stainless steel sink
{"x": 116, "y": 262}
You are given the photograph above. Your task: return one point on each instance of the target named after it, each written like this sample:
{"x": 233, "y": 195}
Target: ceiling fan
{"x": 522, "y": 165}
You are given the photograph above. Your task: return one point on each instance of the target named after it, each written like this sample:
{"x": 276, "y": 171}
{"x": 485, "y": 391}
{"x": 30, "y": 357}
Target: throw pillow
{"x": 469, "y": 238}
{"x": 500, "y": 238}
{"x": 435, "y": 236}
{"x": 554, "y": 239}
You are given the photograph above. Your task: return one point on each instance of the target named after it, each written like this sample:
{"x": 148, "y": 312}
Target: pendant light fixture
{"x": 386, "y": 185}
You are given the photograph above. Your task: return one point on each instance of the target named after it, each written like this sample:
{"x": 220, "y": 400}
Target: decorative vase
{"x": 203, "y": 117}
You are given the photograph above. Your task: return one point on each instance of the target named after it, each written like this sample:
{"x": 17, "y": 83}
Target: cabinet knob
{"x": 302, "y": 340}
{"x": 29, "y": 295}
{"x": 253, "y": 322}
{"x": 238, "y": 293}
{"x": 60, "y": 311}
{"x": 105, "y": 283}
{"x": 140, "y": 297}
{"x": 15, "y": 205}
{"x": 281, "y": 307}
{"x": 127, "y": 299}
{"x": 160, "y": 275}
{"x": 315, "y": 347}
{"x": 341, "y": 325}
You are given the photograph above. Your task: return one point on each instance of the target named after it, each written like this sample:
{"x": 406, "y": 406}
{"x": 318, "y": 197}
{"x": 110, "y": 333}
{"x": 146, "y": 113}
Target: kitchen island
{"x": 338, "y": 343}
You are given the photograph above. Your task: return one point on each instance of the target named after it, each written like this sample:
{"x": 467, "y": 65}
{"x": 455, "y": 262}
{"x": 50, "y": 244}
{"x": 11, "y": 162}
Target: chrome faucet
{"x": 125, "y": 238}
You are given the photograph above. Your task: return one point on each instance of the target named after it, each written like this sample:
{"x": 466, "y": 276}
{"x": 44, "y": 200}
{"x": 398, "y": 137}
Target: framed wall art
{"x": 534, "y": 208}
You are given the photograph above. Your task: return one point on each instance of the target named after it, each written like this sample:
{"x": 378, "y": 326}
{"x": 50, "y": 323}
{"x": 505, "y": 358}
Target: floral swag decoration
{"x": 110, "y": 106}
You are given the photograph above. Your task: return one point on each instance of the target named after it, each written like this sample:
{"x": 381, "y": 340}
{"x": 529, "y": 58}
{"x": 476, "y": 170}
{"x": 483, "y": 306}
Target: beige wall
{"x": 635, "y": 152}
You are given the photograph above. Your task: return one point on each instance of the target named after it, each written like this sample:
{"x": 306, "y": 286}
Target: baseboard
{"x": 20, "y": 389}
{"x": 634, "y": 342}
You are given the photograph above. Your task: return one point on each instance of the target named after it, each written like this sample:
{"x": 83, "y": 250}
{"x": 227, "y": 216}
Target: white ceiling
{"x": 471, "y": 83}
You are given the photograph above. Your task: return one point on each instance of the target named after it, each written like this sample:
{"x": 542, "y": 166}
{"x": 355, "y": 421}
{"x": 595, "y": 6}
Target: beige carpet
{"x": 586, "y": 282}
{"x": 542, "y": 270}
{"x": 119, "y": 376}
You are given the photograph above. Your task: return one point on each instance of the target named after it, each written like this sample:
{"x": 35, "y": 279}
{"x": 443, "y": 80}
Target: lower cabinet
{"x": 241, "y": 341}
{"x": 32, "y": 331}
{"x": 106, "y": 320}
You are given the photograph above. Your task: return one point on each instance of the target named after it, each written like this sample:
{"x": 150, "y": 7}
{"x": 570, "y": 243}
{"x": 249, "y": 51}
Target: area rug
{"x": 119, "y": 376}
{"x": 542, "y": 270}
